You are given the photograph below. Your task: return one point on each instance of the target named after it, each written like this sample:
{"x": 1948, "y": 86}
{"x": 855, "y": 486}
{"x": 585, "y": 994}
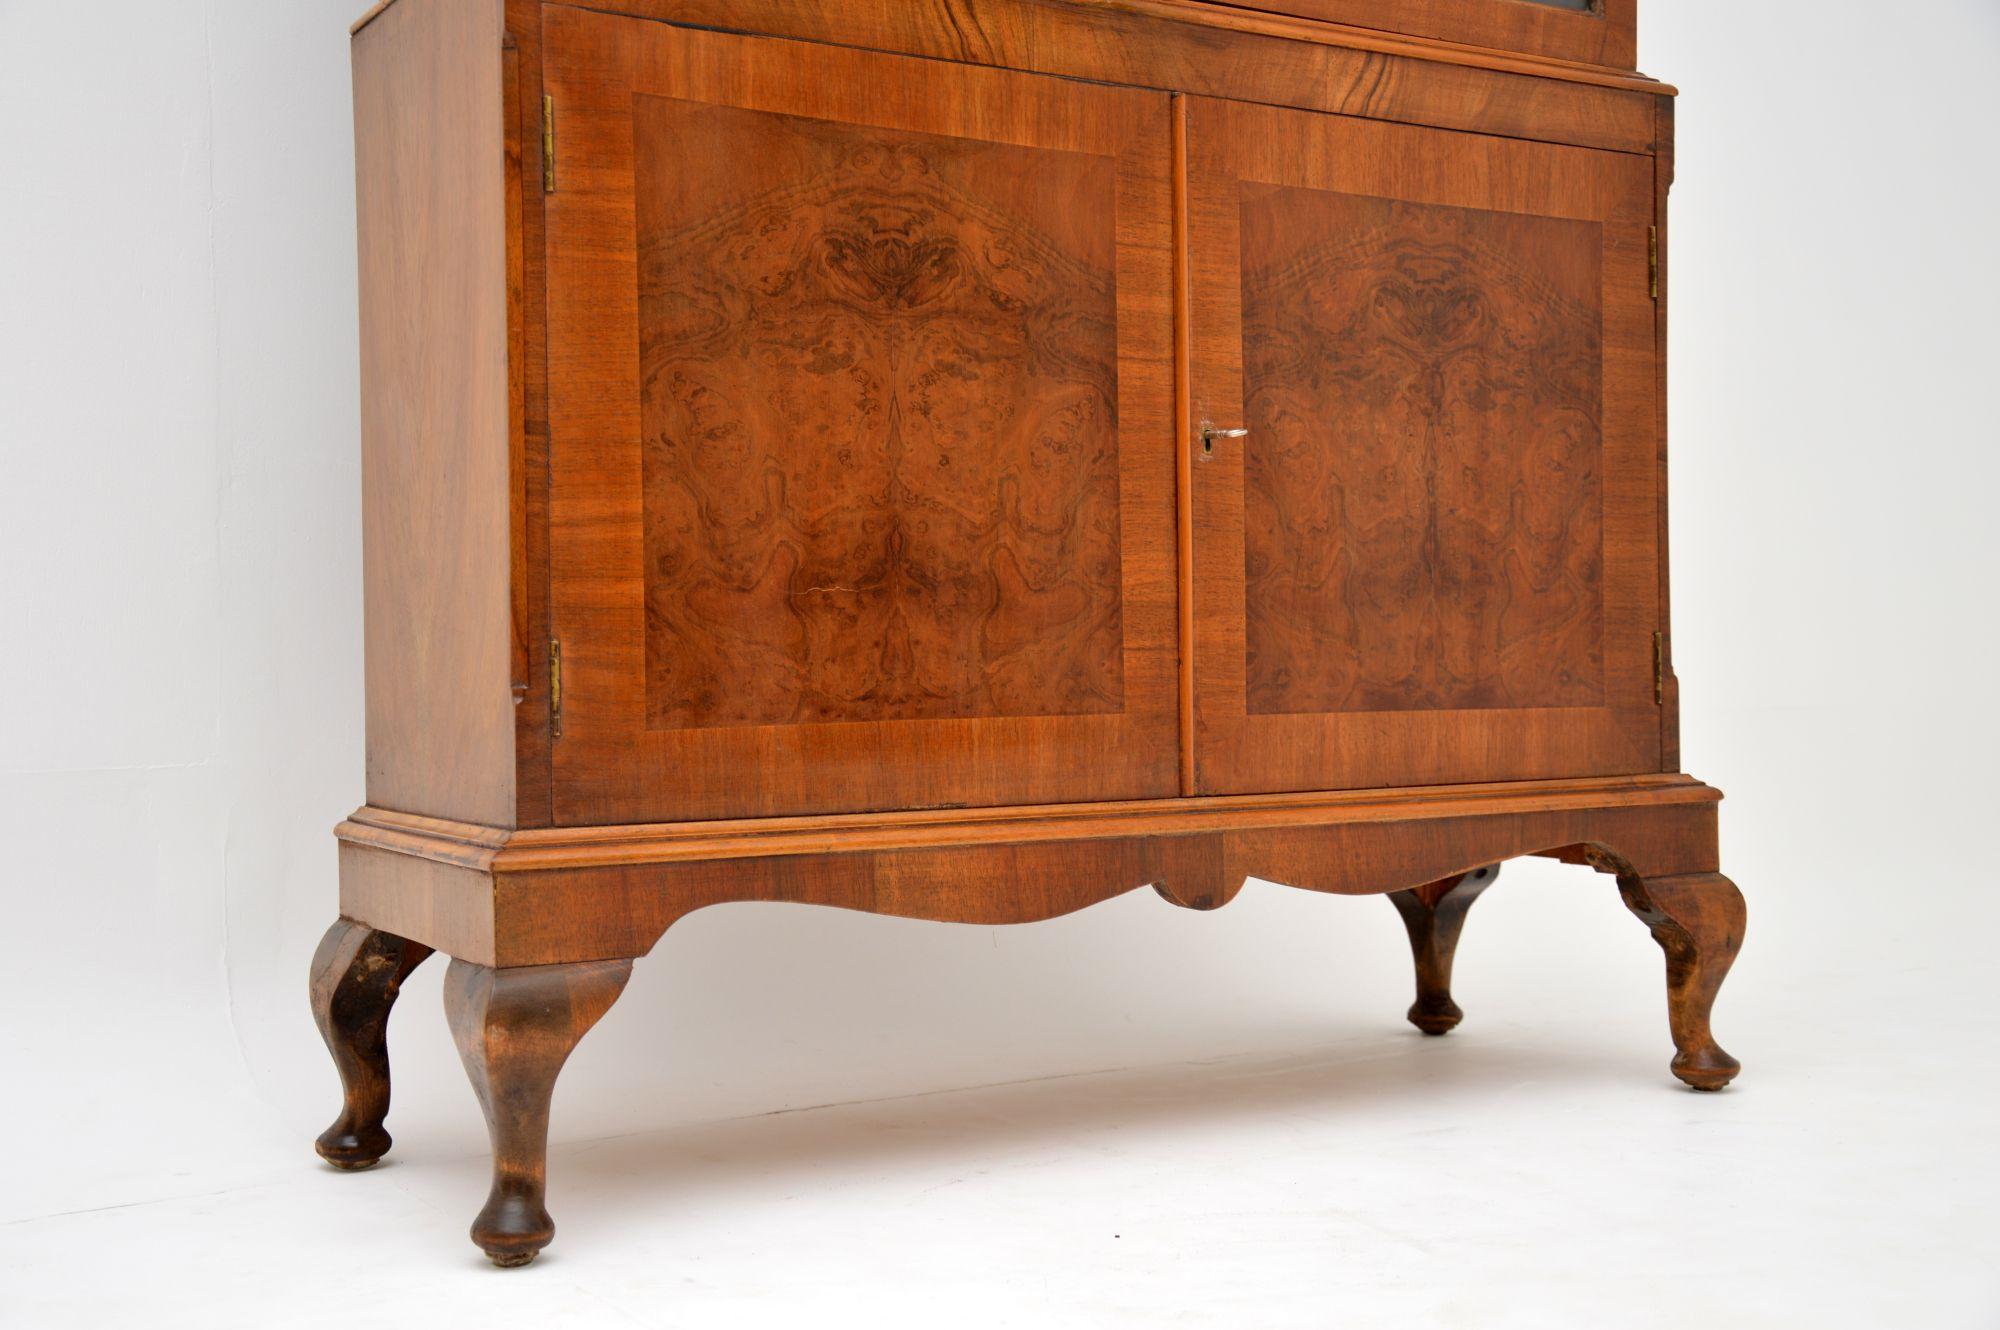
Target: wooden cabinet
{"x": 966, "y": 462}
{"x": 1432, "y": 558}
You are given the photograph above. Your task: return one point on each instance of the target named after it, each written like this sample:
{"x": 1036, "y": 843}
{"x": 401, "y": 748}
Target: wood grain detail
{"x": 880, "y": 472}
{"x": 429, "y": 161}
{"x": 880, "y": 415}
{"x": 1591, "y": 32}
{"x": 1423, "y": 497}
{"x": 1670, "y": 687}
{"x": 1478, "y": 275}
{"x": 1214, "y": 49}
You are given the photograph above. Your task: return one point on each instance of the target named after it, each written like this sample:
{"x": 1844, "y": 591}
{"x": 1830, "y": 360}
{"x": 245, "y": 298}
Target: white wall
{"x": 181, "y": 658}
{"x": 182, "y": 609}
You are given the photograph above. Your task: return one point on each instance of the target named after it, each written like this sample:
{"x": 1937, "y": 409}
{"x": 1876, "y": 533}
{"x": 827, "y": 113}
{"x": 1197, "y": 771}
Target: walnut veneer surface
{"x": 939, "y": 315}
{"x": 1429, "y": 565}
{"x": 967, "y": 461}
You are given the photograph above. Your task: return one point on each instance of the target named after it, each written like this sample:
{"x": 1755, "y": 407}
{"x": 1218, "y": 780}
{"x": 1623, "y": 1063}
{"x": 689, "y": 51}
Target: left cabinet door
{"x": 861, "y": 403}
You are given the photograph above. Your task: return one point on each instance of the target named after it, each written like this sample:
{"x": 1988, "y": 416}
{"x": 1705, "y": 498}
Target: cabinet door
{"x": 1434, "y": 557}
{"x": 861, "y": 404}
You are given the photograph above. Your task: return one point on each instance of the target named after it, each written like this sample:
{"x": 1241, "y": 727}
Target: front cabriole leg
{"x": 515, "y": 1029}
{"x": 1698, "y": 921}
{"x": 356, "y": 974}
{"x": 1434, "y": 915}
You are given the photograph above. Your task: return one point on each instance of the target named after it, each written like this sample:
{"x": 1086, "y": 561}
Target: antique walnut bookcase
{"x": 967, "y": 460}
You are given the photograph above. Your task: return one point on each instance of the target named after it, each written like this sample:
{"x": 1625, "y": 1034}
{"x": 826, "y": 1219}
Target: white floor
{"x": 1529, "y": 1171}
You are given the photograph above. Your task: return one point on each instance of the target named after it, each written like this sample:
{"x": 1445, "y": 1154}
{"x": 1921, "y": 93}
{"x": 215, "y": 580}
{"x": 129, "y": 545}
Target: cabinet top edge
{"x": 1323, "y": 32}
{"x": 374, "y": 12}
{"x": 1209, "y": 13}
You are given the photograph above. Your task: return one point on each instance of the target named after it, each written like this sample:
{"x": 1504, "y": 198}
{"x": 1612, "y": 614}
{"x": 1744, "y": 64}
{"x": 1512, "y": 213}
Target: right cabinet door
{"x": 1434, "y": 558}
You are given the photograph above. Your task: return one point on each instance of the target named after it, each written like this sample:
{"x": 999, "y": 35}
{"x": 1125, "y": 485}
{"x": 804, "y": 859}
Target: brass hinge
{"x": 1659, "y": 669}
{"x": 1652, "y": 257}
{"x": 548, "y": 144}
{"x": 555, "y": 689}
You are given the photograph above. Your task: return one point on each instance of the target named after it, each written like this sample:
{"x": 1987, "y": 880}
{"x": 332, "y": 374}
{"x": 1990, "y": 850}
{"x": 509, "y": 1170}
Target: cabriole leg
{"x": 356, "y": 975}
{"x": 515, "y": 1029}
{"x": 1434, "y": 915}
{"x": 1698, "y": 921}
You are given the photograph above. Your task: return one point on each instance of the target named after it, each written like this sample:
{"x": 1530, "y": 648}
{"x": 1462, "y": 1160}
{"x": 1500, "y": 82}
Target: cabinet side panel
{"x": 429, "y": 161}
{"x": 1670, "y": 687}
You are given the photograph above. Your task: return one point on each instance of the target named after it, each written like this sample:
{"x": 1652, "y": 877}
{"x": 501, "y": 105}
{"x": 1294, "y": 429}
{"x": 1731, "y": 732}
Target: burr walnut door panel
{"x": 1433, "y": 558}
{"x": 861, "y": 399}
